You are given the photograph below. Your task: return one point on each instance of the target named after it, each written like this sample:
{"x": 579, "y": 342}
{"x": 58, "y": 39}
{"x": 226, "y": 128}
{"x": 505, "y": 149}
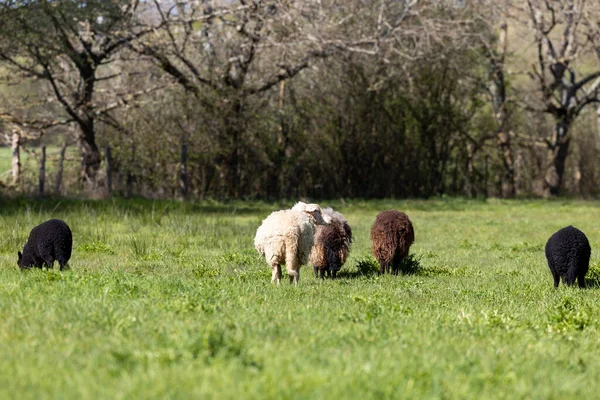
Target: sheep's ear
{"x": 312, "y": 208}
{"x": 299, "y": 206}
{"x": 20, "y": 255}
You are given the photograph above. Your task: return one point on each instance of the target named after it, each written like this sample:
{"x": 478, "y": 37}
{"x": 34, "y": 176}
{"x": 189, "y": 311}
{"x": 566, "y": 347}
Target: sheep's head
{"x": 314, "y": 212}
{"x": 24, "y": 261}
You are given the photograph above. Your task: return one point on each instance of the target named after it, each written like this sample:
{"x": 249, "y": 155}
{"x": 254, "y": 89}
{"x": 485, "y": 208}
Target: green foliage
{"x": 181, "y": 306}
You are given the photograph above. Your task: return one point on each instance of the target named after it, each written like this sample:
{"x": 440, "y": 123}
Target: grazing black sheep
{"x": 332, "y": 244}
{"x": 568, "y": 253}
{"x": 51, "y": 240}
{"x": 392, "y": 235}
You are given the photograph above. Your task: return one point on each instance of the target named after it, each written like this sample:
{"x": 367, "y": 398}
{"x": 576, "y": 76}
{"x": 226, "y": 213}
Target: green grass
{"x": 170, "y": 300}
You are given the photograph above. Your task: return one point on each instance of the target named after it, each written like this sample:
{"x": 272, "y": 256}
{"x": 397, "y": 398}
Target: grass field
{"x": 170, "y": 300}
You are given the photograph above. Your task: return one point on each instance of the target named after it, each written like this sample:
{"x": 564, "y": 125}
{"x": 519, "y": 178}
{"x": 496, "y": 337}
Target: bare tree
{"x": 495, "y": 46}
{"x": 566, "y": 35}
{"x": 70, "y": 47}
{"x": 239, "y": 51}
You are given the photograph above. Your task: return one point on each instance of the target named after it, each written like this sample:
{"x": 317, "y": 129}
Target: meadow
{"x": 170, "y": 300}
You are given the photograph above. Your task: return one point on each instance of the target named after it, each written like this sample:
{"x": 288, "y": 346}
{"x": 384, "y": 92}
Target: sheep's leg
{"x": 396, "y": 264}
{"x": 332, "y": 271}
{"x": 292, "y": 265}
{"x": 63, "y": 265}
{"x": 581, "y": 281}
{"x": 276, "y": 273}
{"x": 48, "y": 263}
{"x": 294, "y": 277}
{"x": 323, "y": 273}
{"x": 571, "y": 276}
{"x": 556, "y": 279}
{"x": 316, "y": 272}
{"x": 382, "y": 267}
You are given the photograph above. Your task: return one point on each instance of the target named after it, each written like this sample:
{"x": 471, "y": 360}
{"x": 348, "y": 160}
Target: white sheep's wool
{"x": 286, "y": 237}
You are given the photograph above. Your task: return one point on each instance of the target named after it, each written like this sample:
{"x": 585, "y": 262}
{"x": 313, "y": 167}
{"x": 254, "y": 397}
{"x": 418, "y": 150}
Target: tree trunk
{"x": 508, "y": 180}
{"x": 59, "y": 174}
{"x": 276, "y": 171}
{"x": 234, "y": 131}
{"x": 183, "y": 175}
{"x": 16, "y": 157}
{"x": 498, "y": 91}
{"x": 108, "y": 157}
{"x": 598, "y": 128}
{"x": 42, "y": 181}
{"x": 469, "y": 175}
{"x": 90, "y": 153}
{"x": 556, "y": 159}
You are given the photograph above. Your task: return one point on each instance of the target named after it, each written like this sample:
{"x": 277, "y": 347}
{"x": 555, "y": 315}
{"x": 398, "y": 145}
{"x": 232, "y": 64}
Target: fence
{"x": 56, "y": 171}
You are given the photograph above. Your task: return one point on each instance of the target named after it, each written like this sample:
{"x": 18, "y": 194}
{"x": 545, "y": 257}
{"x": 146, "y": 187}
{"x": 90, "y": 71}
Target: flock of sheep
{"x": 307, "y": 233}
{"x": 322, "y": 236}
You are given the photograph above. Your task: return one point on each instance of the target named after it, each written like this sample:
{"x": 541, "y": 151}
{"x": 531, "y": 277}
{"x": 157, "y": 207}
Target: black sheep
{"x": 568, "y": 253}
{"x": 51, "y": 240}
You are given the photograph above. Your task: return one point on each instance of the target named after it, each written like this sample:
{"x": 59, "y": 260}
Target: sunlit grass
{"x": 170, "y": 300}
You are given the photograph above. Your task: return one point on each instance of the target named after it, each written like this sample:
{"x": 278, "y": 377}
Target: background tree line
{"x": 288, "y": 98}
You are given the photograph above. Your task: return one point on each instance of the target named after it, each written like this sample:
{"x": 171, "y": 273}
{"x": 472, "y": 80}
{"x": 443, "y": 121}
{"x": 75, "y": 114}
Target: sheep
{"x": 568, "y": 253}
{"x": 287, "y": 236}
{"x": 332, "y": 244}
{"x": 51, "y": 240}
{"x": 392, "y": 235}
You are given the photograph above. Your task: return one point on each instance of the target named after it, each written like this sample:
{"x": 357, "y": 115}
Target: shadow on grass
{"x": 364, "y": 267}
{"x": 368, "y": 266}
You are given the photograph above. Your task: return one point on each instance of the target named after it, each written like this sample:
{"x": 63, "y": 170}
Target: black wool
{"x": 568, "y": 253}
{"x": 48, "y": 242}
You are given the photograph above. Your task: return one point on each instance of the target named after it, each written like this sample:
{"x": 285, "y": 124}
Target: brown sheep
{"x": 332, "y": 245}
{"x": 392, "y": 235}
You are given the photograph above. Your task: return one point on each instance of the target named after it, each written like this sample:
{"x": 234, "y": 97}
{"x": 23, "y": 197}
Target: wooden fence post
{"x": 108, "y": 170}
{"x": 183, "y": 179}
{"x": 487, "y": 176}
{"x": 42, "y": 170}
{"x": 59, "y": 173}
{"x": 16, "y": 157}
{"x": 598, "y": 127}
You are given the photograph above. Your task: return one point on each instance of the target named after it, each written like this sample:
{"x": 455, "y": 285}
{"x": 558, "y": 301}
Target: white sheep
{"x": 287, "y": 236}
